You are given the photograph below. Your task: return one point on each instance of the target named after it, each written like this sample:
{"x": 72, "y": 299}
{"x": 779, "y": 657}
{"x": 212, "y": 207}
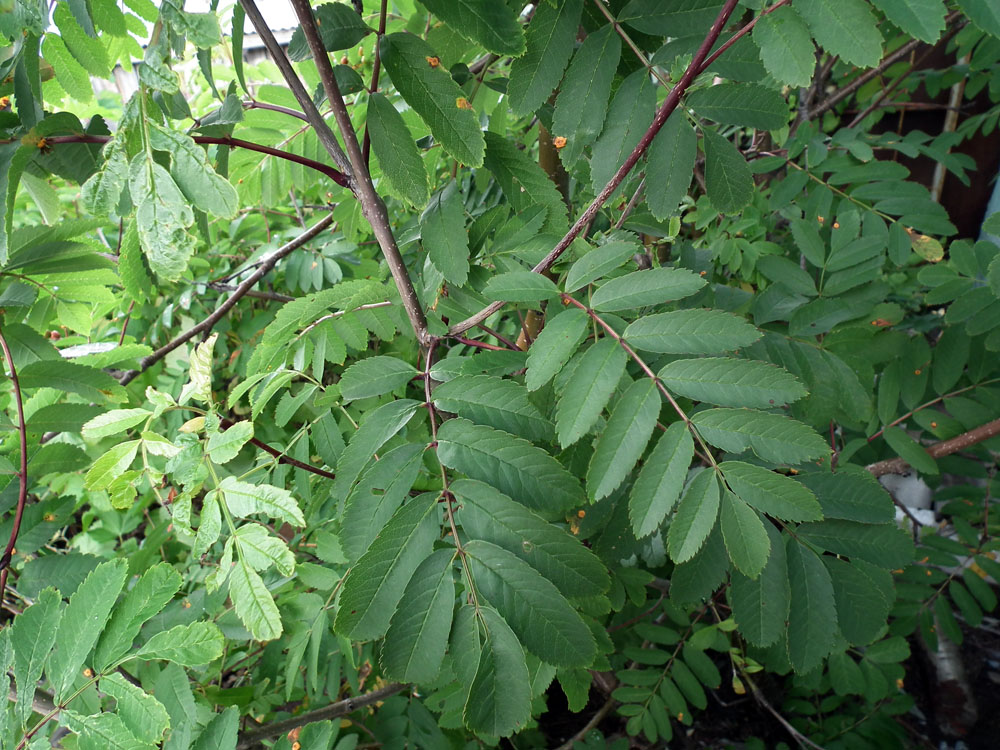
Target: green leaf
{"x": 744, "y": 534}
{"x": 524, "y": 183}
{"x": 732, "y": 382}
{"x": 112, "y": 422}
{"x": 162, "y": 218}
{"x": 560, "y": 557}
{"x": 71, "y": 377}
{"x": 377, "y": 495}
{"x": 434, "y": 95}
{"x": 670, "y": 165}
{"x": 244, "y": 499}
{"x": 375, "y": 584}
{"x": 549, "y": 44}
{"x": 512, "y": 465}
{"x": 151, "y": 593}
{"x": 519, "y": 286}
{"x": 676, "y": 18}
{"x": 598, "y": 262}
{"x": 588, "y": 390}
{"x": 418, "y": 632}
{"x": 69, "y": 73}
{"x": 785, "y": 46}
{"x": 695, "y": 517}
{"x": 554, "y": 346}
{"x": 499, "y": 701}
{"x": 225, "y": 446}
{"x": 983, "y": 13}
{"x": 661, "y": 480}
{"x": 728, "y": 181}
{"x": 910, "y": 450}
{"x": 885, "y": 545}
{"x": 132, "y": 267}
{"x": 643, "y": 288}
{"x": 691, "y": 332}
{"x": 374, "y": 376}
{"x": 852, "y": 494}
{"x": 83, "y": 620}
{"x": 629, "y": 115}
{"x": 923, "y": 19}
{"x": 533, "y": 607}
{"x": 253, "y": 602}
{"x": 32, "y": 635}
{"x": 771, "y": 436}
{"x": 844, "y": 27}
{"x": 380, "y": 424}
{"x": 221, "y": 732}
{"x": 104, "y": 730}
{"x": 760, "y": 606}
{"x": 745, "y": 104}
{"x": 442, "y": 230}
{"x": 862, "y": 609}
{"x": 489, "y": 24}
{"x": 111, "y": 465}
{"x": 397, "y": 152}
{"x": 143, "y": 715}
{"x": 209, "y": 524}
{"x": 774, "y": 494}
{"x": 261, "y": 550}
{"x": 582, "y": 102}
{"x": 187, "y": 645}
{"x": 812, "y": 616}
{"x": 495, "y": 402}
{"x": 206, "y": 190}
{"x": 86, "y": 49}
{"x": 339, "y": 28}
{"x": 624, "y": 438}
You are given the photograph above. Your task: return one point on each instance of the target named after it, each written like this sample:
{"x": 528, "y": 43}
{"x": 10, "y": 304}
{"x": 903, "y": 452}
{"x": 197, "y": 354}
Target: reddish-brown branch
{"x": 326, "y": 169}
{"x": 665, "y": 110}
{"x": 366, "y": 146}
{"x": 943, "y": 448}
{"x": 283, "y": 458}
{"x": 22, "y": 472}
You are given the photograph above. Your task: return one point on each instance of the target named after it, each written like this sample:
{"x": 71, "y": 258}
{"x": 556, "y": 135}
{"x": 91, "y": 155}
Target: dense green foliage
{"x": 601, "y": 387}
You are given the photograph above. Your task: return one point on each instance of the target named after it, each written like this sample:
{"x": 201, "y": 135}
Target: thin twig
{"x": 22, "y": 472}
{"x": 283, "y": 458}
{"x": 366, "y": 146}
{"x": 759, "y": 697}
{"x": 596, "y": 719}
{"x": 665, "y": 110}
{"x": 312, "y": 113}
{"x": 252, "y": 737}
{"x": 371, "y": 204}
{"x": 938, "y": 450}
{"x": 326, "y": 169}
{"x": 207, "y": 324}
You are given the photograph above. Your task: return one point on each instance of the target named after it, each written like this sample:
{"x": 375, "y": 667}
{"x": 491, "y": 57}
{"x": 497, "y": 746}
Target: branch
{"x": 206, "y": 325}
{"x": 252, "y": 737}
{"x": 376, "y": 69}
{"x": 666, "y": 109}
{"x": 329, "y": 171}
{"x": 312, "y": 113}
{"x": 938, "y": 450}
{"x": 842, "y": 93}
{"x": 371, "y": 204}
{"x": 22, "y": 472}
{"x": 596, "y": 719}
{"x": 282, "y": 458}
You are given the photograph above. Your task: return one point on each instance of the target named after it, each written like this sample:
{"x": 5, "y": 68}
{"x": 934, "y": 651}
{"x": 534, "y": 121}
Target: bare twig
{"x": 759, "y": 697}
{"x": 252, "y": 737}
{"x": 371, "y": 204}
{"x": 283, "y": 458}
{"x": 943, "y": 448}
{"x": 22, "y": 472}
{"x": 241, "y": 290}
{"x": 665, "y": 110}
{"x": 312, "y": 113}
{"x": 376, "y": 69}
{"x": 326, "y": 169}
{"x": 596, "y": 719}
